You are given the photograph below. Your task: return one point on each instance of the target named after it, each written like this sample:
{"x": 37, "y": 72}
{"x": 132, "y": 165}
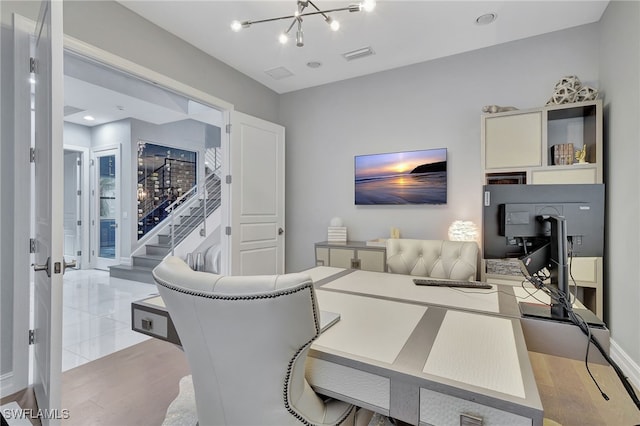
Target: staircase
{"x": 188, "y": 222}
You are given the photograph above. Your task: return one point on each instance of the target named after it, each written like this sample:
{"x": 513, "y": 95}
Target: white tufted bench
{"x": 456, "y": 260}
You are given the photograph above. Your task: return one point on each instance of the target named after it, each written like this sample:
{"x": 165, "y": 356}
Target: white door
{"x": 106, "y": 208}
{"x": 256, "y": 216}
{"x": 48, "y": 205}
{"x": 14, "y": 312}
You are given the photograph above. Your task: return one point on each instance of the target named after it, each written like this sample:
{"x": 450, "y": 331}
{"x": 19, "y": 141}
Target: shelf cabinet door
{"x": 341, "y": 257}
{"x": 579, "y": 174}
{"x": 372, "y": 260}
{"x": 513, "y": 140}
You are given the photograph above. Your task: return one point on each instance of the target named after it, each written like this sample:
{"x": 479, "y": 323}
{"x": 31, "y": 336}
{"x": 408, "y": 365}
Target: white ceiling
{"x": 399, "y": 32}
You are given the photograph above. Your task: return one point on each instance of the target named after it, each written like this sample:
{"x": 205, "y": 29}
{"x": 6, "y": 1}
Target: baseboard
{"x": 626, "y": 364}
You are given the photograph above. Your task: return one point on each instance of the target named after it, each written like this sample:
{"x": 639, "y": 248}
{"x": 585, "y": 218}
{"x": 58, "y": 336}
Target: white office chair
{"x": 246, "y": 341}
{"x": 456, "y": 260}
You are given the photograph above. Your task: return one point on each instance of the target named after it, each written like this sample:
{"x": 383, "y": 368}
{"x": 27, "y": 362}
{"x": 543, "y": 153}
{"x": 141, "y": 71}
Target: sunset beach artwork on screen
{"x": 409, "y": 177}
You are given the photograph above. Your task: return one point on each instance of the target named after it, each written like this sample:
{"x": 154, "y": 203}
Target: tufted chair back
{"x": 456, "y": 260}
{"x": 246, "y": 340}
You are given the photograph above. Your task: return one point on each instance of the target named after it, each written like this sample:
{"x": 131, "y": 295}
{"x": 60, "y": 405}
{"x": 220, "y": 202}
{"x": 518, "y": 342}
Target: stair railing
{"x": 210, "y": 192}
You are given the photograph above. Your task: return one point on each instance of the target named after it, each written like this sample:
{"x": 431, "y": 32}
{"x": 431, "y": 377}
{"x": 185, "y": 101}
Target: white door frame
{"x": 97, "y": 261}
{"x": 85, "y": 203}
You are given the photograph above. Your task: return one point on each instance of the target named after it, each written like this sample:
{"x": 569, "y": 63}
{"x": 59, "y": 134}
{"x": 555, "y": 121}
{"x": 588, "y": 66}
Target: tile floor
{"x": 96, "y": 318}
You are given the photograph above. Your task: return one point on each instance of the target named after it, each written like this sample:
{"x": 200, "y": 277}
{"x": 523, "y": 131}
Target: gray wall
{"x": 620, "y": 77}
{"x": 429, "y": 105}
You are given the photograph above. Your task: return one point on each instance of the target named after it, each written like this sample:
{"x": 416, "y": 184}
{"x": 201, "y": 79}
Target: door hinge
{"x": 228, "y": 128}
{"x": 92, "y": 163}
{"x": 79, "y": 162}
{"x": 227, "y": 230}
{"x": 79, "y": 223}
{"x": 32, "y": 155}
{"x": 227, "y": 179}
{"x": 79, "y": 192}
{"x": 32, "y": 245}
{"x": 32, "y": 65}
{"x": 79, "y": 253}
{"x": 32, "y": 337}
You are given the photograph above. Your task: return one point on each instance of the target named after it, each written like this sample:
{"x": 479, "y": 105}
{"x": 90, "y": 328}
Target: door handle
{"x": 47, "y": 269}
{"x": 66, "y": 265}
{"x": 280, "y": 231}
{"x": 44, "y": 267}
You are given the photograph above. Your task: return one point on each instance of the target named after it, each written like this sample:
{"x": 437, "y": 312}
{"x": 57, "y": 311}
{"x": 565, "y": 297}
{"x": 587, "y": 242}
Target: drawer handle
{"x": 147, "y": 324}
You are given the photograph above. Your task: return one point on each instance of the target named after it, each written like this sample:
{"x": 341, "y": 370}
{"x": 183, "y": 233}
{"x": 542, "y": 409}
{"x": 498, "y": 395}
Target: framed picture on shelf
{"x": 507, "y": 178}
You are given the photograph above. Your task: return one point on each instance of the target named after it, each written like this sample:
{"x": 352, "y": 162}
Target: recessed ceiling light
{"x": 89, "y": 117}
{"x": 486, "y": 19}
{"x": 314, "y": 64}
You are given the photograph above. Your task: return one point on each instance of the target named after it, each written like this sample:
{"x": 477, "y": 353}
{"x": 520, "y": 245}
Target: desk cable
{"x": 576, "y": 319}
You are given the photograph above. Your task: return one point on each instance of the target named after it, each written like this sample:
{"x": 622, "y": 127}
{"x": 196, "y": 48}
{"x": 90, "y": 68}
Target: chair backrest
{"x": 456, "y": 260}
{"x": 246, "y": 341}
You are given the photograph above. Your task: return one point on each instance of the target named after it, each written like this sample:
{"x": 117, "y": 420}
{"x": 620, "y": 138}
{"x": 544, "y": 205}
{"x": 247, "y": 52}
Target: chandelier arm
{"x": 319, "y": 12}
{"x": 291, "y": 25}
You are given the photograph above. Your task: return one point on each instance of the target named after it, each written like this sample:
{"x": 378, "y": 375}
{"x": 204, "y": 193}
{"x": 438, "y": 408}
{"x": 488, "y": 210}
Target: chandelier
{"x": 302, "y": 12}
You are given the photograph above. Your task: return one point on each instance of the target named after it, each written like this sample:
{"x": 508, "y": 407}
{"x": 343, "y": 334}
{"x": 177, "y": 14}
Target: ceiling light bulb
{"x": 236, "y": 26}
{"x": 89, "y": 117}
{"x": 299, "y": 38}
{"x": 283, "y": 38}
{"x": 368, "y": 5}
{"x": 335, "y": 25}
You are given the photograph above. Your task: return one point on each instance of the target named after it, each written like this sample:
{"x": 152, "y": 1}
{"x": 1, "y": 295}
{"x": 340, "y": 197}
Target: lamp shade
{"x": 463, "y": 230}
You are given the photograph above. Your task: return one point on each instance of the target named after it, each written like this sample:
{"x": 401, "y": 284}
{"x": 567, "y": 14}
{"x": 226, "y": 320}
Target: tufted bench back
{"x": 456, "y": 260}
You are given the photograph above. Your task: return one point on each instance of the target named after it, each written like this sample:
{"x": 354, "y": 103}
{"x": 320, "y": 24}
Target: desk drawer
{"x": 150, "y": 323}
{"x": 360, "y": 386}
{"x": 440, "y": 409}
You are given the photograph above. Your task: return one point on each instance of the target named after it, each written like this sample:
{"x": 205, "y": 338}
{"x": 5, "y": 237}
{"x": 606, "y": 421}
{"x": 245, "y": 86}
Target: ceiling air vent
{"x": 279, "y": 73}
{"x": 358, "y": 53}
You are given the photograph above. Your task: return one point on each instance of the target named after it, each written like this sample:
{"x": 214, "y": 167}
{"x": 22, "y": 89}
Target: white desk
{"x": 424, "y": 355}
{"x": 421, "y": 363}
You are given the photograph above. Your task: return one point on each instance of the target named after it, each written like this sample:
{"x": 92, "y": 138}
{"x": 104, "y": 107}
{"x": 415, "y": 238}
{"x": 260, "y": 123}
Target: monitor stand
{"x": 534, "y": 310}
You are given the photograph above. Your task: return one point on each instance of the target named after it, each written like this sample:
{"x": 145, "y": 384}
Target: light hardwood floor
{"x": 133, "y": 386}
{"x": 136, "y": 385}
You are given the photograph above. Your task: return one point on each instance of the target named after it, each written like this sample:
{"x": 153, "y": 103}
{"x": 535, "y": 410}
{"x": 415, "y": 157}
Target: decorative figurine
{"x": 581, "y": 155}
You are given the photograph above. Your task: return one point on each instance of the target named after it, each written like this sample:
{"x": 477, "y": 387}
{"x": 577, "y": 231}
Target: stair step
{"x": 132, "y": 273}
{"x": 158, "y": 249}
{"x": 147, "y": 261}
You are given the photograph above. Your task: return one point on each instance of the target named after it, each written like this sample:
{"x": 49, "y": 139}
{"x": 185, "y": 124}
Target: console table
{"x": 351, "y": 255}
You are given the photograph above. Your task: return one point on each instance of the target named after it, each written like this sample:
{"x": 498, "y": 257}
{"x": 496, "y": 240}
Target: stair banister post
{"x": 206, "y": 195}
{"x": 173, "y": 239}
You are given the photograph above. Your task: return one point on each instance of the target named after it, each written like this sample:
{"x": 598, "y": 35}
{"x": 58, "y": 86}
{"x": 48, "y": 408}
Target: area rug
{"x": 182, "y": 411}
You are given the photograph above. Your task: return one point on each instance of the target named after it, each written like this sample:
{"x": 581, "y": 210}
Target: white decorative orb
{"x": 336, "y": 221}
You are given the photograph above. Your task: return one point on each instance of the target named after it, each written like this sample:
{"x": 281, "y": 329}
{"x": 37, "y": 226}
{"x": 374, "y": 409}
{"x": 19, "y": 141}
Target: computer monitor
{"x": 542, "y": 226}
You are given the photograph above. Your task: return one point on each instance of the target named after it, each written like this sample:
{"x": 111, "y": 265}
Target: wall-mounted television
{"x": 408, "y": 177}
